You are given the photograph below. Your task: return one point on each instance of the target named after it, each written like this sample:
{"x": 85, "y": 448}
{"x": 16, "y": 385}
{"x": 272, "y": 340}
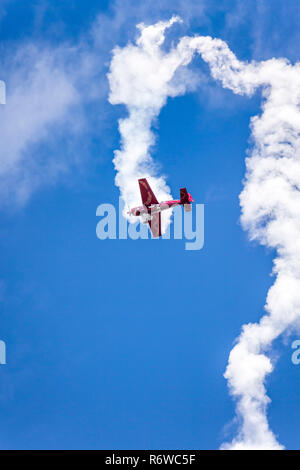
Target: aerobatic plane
{"x": 151, "y": 209}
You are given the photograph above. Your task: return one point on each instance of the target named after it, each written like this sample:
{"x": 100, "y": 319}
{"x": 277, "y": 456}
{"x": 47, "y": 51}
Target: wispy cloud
{"x": 271, "y": 28}
{"x": 39, "y": 93}
{"x": 47, "y": 89}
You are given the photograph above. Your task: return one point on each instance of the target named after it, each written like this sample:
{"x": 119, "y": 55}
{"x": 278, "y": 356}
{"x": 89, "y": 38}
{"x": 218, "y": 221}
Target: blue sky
{"x": 121, "y": 344}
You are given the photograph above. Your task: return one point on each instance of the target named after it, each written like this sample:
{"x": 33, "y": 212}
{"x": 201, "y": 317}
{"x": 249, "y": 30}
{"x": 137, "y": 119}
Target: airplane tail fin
{"x": 186, "y": 199}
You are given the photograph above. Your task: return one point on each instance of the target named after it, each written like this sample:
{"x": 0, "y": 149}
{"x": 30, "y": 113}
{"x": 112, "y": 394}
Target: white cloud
{"x": 39, "y": 93}
{"x": 47, "y": 89}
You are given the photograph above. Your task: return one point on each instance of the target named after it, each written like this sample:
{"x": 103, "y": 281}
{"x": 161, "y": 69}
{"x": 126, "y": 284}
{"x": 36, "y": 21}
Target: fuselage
{"x": 154, "y": 208}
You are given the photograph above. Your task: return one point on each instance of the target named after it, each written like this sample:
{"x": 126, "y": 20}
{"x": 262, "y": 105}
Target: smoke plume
{"x": 141, "y": 78}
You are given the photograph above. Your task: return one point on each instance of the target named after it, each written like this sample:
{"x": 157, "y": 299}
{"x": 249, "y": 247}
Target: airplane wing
{"x": 155, "y": 224}
{"x": 148, "y": 197}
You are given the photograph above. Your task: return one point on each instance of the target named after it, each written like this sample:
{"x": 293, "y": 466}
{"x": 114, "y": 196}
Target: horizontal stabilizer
{"x": 185, "y": 197}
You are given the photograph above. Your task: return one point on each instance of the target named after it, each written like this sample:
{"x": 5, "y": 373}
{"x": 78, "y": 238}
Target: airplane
{"x": 151, "y": 209}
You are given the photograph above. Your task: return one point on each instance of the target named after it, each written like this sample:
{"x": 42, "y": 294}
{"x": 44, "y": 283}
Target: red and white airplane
{"x": 151, "y": 209}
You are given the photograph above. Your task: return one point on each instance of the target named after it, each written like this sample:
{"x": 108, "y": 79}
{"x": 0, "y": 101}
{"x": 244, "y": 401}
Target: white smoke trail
{"x": 270, "y": 205}
{"x": 141, "y": 77}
